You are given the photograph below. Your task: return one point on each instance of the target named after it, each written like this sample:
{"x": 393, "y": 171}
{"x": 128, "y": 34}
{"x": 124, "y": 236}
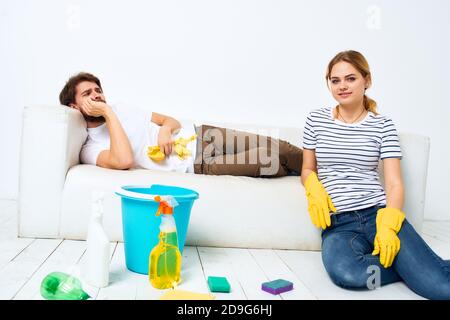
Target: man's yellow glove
{"x": 387, "y": 244}
{"x": 180, "y": 148}
{"x": 155, "y": 153}
{"x": 319, "y": 202}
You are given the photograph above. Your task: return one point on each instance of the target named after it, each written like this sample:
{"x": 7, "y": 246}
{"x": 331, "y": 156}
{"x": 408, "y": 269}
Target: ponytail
{"x": 370, "y": 105}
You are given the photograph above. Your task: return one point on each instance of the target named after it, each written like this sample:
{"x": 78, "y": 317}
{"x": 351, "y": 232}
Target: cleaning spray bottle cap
{"x": 165, "y": 205}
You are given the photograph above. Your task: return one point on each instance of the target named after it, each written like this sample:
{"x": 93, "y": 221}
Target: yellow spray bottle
{"x": 165, "y": 258}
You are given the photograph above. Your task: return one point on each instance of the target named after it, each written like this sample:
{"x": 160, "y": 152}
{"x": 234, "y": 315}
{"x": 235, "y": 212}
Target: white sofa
{"x": 55, "y": 190}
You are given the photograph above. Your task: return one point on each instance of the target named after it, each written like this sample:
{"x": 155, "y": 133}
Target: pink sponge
{"x": 277, "y": 286}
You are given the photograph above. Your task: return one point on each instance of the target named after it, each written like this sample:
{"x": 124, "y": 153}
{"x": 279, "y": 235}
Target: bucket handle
{"x": 151, "y": 197}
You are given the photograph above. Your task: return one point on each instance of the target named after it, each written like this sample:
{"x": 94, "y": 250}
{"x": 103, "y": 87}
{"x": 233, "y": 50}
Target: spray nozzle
{"x": 166, "y": 205}
{"x": 97, "y": 197}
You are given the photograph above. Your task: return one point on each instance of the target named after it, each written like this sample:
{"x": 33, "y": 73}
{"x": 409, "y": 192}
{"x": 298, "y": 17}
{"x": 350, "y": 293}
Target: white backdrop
{"x": 249, "y": 61}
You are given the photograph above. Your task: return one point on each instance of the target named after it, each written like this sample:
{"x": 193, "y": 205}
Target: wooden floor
{"x": 25, "y": 262}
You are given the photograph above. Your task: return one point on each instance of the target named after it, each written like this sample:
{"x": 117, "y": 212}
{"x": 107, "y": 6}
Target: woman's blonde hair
{"x": 360, "y": 63}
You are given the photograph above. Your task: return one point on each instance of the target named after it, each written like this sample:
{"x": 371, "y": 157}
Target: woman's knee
{"x": 342, "y": 256}
{"x": 346, "y": 276}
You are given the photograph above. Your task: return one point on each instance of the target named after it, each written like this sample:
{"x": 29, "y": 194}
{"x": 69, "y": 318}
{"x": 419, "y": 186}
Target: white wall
{"x": 242, "y": 61}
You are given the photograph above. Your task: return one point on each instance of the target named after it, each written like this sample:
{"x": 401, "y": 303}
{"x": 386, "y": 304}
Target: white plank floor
{"x": 25, "y": 262}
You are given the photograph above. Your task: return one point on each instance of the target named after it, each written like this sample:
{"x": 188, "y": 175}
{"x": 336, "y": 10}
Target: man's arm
{"x": 120, "y": 153}
{"x": 169, "y": 126}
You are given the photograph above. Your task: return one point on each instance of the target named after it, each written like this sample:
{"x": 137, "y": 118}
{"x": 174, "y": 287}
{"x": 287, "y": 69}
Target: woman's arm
{"x": 393, "y": 183}
{"x": 309, "y": 164}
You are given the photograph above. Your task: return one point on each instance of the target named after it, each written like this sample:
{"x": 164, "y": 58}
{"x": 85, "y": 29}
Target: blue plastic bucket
{"x": 141, "y": 225}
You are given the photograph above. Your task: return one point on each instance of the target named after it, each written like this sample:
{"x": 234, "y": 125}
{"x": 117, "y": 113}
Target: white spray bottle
{"x": 97, "y": 253}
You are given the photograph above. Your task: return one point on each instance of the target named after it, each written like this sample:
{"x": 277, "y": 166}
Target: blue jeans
{"x": 347, "y": 247}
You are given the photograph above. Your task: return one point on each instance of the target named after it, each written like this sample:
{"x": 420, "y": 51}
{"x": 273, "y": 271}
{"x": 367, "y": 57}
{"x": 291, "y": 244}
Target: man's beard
{"x": 99, "y": 119}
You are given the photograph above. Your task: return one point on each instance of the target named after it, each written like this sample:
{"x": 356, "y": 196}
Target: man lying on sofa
{"x": 123, "y": 138}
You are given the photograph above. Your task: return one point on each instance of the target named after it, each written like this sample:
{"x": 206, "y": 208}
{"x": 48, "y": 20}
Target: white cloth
{"x": 142, "y": 133}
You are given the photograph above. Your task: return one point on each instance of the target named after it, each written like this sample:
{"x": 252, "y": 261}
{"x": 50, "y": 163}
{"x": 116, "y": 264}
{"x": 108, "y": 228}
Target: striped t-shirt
{"x": 348, "y": 156}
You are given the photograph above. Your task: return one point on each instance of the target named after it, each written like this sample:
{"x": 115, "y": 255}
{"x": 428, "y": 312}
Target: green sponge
{"x": 218, "y": 284}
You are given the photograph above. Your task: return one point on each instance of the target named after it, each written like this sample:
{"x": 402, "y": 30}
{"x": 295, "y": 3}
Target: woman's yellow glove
{"x": 319, "y": 202}
{"x": 387, "y": 244}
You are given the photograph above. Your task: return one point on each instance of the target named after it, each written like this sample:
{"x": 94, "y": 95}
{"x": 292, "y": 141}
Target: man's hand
{"x": 95, "y": 108}
{"x": 165, "y": 141}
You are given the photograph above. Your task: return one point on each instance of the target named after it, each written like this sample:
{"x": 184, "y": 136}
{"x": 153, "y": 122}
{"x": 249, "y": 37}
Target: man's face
{"x": 88, "y": 90}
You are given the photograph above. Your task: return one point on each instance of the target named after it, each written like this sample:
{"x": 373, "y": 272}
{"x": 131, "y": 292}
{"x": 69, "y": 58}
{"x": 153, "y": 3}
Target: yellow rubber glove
{"x": 319, "y": 202}
{"x": 155, "y": 153}
{"x": 387, "y": 244}
{"x": 180, "y": 148}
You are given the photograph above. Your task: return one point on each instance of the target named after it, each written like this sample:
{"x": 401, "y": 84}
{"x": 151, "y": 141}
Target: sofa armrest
{"x": 51, "y": 142}
{"x": 414, "y": 163}
{"x": 416, "y": 152}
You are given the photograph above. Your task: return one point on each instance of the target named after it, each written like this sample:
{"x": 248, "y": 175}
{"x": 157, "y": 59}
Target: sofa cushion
{"x": 230, "y": 212}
